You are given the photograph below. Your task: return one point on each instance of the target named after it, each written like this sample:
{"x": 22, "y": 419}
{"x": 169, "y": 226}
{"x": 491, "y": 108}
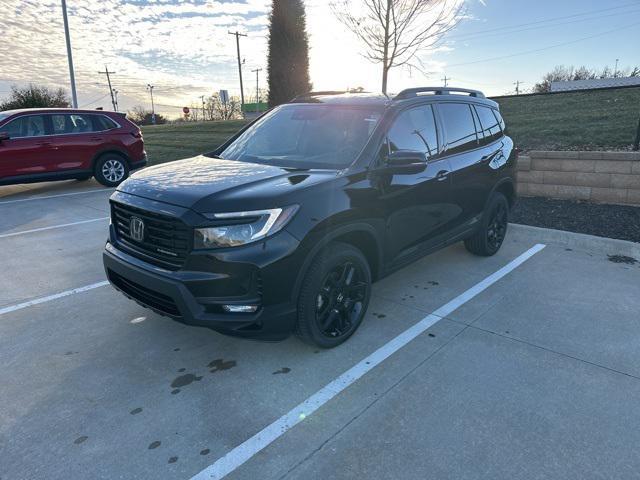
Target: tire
{"x": 334, "y": 296}
{"x": 493, "y": 229}
{"x": 111, "y": 170}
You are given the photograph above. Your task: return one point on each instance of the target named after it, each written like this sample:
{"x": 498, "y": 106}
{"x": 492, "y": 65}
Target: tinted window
{"x": 489, "y": 127}
{"x": 459, "y": 126}
{"x": 415, "y": 130}
{"x": 500, "y": 120}
{"x": 71, "y": 123}
{"x": 27, "y": 126}
{"x": 103, "y": 123}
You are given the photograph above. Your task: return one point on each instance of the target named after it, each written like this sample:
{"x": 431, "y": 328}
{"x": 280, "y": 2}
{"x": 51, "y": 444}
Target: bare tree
{"x": 395, "y": 31}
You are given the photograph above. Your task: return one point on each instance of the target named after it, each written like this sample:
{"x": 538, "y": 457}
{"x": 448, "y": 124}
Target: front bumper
{"x": 263, "y": 274}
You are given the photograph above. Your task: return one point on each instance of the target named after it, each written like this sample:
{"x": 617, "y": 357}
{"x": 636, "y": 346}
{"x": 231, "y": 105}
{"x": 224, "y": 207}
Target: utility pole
{"x": 202, "y": 98}
{"x": 517, "y": 84}
{"x": 257, "y": 70}
{"x": 446, "y": 79}
{"x": 108, "y": 73}
{"x": 115, "y": 94}
{"x": 238, "y": 35}
{"x": 153, "y": 108}
{"x": 72, "y": 77}
{"x": 615, "y": 72}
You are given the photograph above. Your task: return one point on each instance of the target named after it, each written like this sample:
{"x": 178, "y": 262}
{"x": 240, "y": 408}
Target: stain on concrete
{"x": 173, "y": 460}
{"x": 176, "y": 349}
{"x": 71, "y": 353}
{"x": 432, "y": 335}
{"x": 154, "y": 444}
{"x": 282, "y": 370}
{"x": 379, "y": 315}
{"x": 136, "y": 411}
{"x": 219, "y": 364}
{"x": 184, "y": 380}
{"x": 80, "y": 440}
{"x": 622, "y": 259}
{"x": 175, "y": 391}
{"x": 206, "y": 451}
{"x": 433, "y": 284}
{"x": 181, "y": 370}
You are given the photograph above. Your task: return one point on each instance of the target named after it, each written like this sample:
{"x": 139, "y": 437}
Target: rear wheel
{"x": 334, "y": 296}
{"x": 111, "y": 170}
{"x": 493, "y": 229}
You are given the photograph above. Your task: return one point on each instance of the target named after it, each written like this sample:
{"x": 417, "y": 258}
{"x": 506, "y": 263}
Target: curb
{"x": 576, "y": 241}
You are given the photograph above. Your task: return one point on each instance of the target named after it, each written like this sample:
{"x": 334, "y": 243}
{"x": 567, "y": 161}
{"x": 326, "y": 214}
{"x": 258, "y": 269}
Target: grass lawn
{"x": 165, "y": 143}
{"x": 591, "y": 120}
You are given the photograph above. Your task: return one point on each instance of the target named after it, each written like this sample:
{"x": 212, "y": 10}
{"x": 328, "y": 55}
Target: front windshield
{"x": 306, "y": 136}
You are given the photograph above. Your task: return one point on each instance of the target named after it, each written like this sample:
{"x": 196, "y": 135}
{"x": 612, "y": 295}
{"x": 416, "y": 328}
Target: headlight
{"x": 240, "y": 228}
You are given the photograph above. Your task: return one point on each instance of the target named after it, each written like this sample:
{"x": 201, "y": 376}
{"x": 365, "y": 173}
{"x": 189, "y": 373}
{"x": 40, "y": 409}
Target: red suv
{"x": 59, "y": 144}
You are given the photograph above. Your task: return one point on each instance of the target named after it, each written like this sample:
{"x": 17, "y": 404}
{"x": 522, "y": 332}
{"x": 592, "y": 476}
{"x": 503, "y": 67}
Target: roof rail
{"x": 414, "y": 92}
{"x": 317, "y": 94}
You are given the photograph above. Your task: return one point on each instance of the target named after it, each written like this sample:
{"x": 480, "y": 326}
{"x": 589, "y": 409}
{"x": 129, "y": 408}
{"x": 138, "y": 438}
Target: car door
{"x": 76, "y": 139}
{"x": 416, "y": 204}
{"x": 27, "y": 151}
{"x": 464, "y": 150}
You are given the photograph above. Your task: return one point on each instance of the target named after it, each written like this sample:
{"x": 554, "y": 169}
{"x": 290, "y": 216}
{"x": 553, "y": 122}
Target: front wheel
{"x": 493, "y": 228}
{"x": 111, "y": 170}
{"x": 334, "y": 296}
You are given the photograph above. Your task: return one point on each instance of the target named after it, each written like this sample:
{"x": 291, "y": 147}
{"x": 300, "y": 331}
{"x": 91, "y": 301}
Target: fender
{"x": 110, "y": 149}
{"x": 361, "y": 226}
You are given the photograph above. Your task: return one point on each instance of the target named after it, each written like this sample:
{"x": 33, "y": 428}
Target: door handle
{"x": 96, "y": 139}
{"x": 43, "y": 144}
{"x": 442, "y": 175}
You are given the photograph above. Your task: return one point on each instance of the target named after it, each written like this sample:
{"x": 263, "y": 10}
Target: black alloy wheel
{"x": 334, "y": 296}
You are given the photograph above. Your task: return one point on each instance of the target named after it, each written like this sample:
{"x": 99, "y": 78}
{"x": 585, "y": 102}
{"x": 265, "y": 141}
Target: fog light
{"x": 240, "y": 308}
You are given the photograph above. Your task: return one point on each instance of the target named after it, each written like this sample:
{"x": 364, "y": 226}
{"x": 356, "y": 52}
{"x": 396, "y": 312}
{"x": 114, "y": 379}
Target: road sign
{"x": 185, "y": 110}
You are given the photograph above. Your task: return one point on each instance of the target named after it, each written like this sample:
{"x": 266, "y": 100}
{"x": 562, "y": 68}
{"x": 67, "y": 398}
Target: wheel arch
{"x": 362, "y": 235}
{"x": 111, "y": 150}
{"x": 507, "y": 187}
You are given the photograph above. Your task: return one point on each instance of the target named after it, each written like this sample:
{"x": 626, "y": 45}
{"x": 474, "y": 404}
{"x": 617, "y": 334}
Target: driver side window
{"x": 27, "y": 126}
{"x": 414, "y": 130}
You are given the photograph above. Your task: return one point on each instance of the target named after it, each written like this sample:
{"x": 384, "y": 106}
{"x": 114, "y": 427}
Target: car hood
{"x": 207, "y": 184}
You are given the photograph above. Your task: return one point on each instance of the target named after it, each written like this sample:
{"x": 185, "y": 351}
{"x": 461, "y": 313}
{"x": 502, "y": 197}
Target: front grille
{"x": 147, "y": 297}
{"x": 166, "y": 240}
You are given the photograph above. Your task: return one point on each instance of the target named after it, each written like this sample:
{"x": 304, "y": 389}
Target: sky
{"x": 183, "y": 47}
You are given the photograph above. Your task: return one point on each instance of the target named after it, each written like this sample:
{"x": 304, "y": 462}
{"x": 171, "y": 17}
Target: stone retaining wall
{"x": 600, "y": 177}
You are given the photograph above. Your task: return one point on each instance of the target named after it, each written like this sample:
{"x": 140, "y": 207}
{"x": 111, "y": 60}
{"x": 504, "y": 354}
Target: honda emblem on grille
{"x": 136, "y": 229}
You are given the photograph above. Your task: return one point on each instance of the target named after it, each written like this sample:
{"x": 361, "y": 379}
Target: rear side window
{"x": 102, "y": 123}
{"x": 415, "y": 130}
{"x": 459, "y": 127}
{"x": 489, "y": 127}
{"x": 27, "y": 126}
{"x": 496, "y": 113}
{"x": 71, "y": 123}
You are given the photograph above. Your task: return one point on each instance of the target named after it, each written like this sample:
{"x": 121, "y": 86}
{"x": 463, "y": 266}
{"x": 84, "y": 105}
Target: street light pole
{"x": 153, "y": 108}
{"x": 72, "y": 77}
{"x": 257, "y": 70}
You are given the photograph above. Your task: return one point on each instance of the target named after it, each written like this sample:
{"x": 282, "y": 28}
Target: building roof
{"x": 595, "y": 83}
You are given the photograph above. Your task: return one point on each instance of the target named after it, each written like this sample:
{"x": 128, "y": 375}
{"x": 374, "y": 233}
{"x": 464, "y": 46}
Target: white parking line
{"x": 52, "y": 227}
{"x": 243, "y": 452}
{"x": 55, "y": 196}
{"x": 38, "y": 301}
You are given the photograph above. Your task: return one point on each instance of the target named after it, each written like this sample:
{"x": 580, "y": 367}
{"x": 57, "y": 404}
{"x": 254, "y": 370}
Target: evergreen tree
{"x": 288, "y": 63}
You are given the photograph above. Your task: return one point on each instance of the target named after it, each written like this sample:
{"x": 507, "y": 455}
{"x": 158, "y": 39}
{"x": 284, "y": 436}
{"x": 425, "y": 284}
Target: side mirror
{"x": 406, "y": 161}
{"x": 4, "y": 136}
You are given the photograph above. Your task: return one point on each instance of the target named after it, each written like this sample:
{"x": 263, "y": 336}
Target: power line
{"x": 94, "y": 101}
{"x": 527, "y": 52}
{"x": 501, "y": 29}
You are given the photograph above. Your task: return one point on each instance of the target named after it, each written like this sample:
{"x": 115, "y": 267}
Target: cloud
{"x": 181, "y": 47}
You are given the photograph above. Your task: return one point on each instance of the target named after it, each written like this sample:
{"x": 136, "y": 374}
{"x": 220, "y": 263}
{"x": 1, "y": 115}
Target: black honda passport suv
{"x": 284, "y": 227}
